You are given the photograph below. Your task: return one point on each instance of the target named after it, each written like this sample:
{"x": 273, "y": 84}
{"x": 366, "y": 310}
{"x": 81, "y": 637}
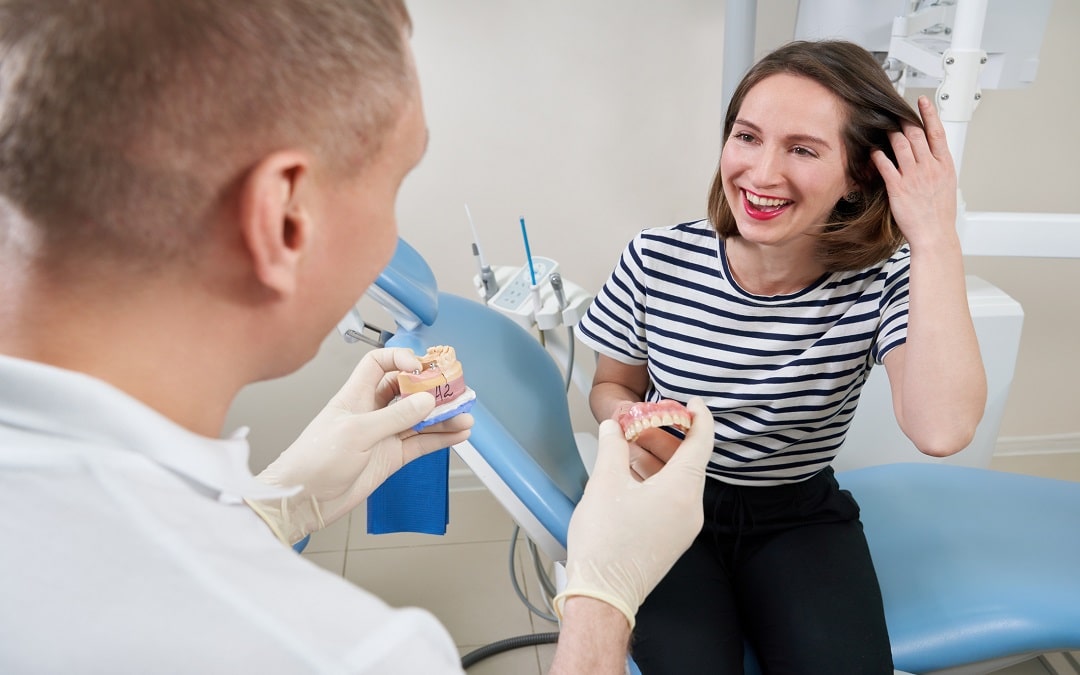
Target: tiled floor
{"x": 464, "y": 579}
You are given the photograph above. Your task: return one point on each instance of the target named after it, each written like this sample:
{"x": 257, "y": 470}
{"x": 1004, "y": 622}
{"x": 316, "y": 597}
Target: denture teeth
{"x": 644, "y": 416}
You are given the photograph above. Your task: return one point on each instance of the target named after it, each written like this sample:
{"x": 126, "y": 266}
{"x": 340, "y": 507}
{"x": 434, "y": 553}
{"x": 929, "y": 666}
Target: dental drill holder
{"x": 541, "y": 305}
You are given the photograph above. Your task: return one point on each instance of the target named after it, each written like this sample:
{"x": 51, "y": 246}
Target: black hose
{"x": 477, "y": 655}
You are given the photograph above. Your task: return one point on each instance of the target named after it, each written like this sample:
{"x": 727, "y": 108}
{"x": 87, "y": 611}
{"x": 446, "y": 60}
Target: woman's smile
{"x": 785, "y": 162}
{"x": 761, "y": 207}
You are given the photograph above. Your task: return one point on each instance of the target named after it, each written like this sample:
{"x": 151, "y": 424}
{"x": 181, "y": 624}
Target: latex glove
{"x": 626, "y": 534}
{"x": 354, "y": 444}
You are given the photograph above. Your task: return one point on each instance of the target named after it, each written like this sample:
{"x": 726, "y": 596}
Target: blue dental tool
{"x": 528, "y": 253}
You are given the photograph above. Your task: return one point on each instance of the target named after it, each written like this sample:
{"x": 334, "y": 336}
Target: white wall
{"x": 594, "y": 119}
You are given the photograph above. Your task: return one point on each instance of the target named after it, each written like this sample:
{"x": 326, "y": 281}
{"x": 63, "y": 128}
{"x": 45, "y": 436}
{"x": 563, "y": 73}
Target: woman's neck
{"x": 772, "y": 270}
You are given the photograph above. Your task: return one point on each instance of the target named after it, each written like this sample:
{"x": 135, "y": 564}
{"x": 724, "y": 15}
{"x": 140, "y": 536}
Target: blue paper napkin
{"x": 414, "y": 499}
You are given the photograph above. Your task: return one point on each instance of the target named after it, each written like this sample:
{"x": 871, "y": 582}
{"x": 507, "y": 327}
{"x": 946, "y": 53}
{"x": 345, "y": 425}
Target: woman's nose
{"x": 766, "y": 169}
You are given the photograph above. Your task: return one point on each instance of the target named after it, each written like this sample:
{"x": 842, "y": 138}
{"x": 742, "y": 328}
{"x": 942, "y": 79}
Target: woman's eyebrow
{"x": 809, "y": 139}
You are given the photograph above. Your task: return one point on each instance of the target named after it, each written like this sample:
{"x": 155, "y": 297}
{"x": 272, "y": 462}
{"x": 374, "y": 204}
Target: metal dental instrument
{"x": 487, "y": 277}
{"x": 556, "y": 285}
{"x": 560, "y": 297}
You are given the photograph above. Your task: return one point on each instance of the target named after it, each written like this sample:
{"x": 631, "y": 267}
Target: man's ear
{"x": 274, "y": 220}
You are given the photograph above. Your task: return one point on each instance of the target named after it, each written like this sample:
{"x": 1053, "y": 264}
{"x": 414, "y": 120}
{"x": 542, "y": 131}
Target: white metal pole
{"x": 959, "y": 91}
{"x": 740, "y": 26}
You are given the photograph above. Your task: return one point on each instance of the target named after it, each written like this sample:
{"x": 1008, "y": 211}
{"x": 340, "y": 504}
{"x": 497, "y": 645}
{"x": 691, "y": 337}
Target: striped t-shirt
{"x": 781, "y": 374}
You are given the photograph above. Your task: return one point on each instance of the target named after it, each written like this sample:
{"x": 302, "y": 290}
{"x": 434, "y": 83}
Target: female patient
{"x": 830, "y": 247}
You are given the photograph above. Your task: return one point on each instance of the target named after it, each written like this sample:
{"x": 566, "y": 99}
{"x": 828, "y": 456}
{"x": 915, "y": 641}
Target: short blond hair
{"x": 124, "y": 122}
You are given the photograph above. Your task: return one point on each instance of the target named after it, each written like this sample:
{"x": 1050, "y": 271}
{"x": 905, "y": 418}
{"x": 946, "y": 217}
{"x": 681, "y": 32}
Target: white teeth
{"x": 660, "y": 420}
{"x": 764, "y": 201}
{"x": 635, "y": 429}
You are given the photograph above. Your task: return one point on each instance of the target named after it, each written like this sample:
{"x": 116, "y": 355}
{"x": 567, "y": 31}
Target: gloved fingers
{"x": 361, "y": 391}
{"x": 613, "y": 452}
{"x": 393, "y": 359}
{"x": 696, "y": 449}
{"x": 423, "y": 443}
{"x": 386, "y": 390}
{"x": 398, "y": 417}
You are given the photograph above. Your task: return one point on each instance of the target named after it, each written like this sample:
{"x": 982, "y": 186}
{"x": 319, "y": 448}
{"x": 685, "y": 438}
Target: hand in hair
{"x": 922, "y": 183}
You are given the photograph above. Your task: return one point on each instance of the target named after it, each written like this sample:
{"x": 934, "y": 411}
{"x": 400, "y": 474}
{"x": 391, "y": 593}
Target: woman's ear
{"x": 274, "y": 219}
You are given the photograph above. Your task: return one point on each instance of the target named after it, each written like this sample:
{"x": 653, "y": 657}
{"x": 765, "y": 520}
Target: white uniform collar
{"x": 67, "y": 404}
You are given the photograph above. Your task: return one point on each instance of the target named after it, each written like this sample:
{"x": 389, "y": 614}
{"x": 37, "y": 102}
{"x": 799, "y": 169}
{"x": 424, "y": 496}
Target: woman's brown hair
{"x": 862, "y": 232}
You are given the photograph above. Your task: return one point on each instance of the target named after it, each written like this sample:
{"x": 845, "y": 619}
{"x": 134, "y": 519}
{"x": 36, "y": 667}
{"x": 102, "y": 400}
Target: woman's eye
{"x": 742, "y": 136}
{"x": 805, "y": 152}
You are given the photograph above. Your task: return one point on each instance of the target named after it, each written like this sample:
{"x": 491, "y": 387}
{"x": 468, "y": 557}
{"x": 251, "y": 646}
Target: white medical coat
{"x": 125, "y": 548}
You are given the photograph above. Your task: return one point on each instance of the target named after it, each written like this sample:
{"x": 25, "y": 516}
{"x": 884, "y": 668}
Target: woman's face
{"x": 784, "y": 166}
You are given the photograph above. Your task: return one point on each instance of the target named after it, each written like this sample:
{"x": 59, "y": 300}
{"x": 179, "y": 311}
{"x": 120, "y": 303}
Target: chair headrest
{"x": 407, "y": 288}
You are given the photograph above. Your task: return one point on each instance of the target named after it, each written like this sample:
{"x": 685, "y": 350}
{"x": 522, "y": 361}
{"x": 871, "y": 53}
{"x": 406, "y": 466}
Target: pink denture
{"x": 642, "y": 416}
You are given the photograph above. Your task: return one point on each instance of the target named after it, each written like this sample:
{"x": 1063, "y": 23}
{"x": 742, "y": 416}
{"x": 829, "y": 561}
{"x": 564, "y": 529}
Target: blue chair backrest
{"x": 523, "y": 426}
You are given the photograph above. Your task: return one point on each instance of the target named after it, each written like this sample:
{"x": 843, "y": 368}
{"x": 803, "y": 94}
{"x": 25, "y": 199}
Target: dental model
{"x": 440, "y": 375}
{"x": 642, "y": 416}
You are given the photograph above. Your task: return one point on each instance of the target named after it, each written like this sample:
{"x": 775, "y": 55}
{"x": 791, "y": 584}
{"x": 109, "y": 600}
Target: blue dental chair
{"x": 522, "y": 445}
{"x": 979, "y": 569}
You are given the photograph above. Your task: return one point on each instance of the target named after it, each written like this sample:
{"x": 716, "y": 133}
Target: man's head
{"x": 125, "y": 123}
{"x": 196, "y": 191}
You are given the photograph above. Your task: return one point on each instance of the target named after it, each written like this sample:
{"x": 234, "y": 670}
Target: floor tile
{"x": 521, "y": 661}
{"x": 545, "y": 654}
{"x": 536, "y": 595}
{"x": 331, "y": 561}
{"x": 532, "y": 588}
{"x": 335, "y": 537}
{"x": 465, "y": 585}
{"x": 1064, "y": 663}
{"x": 1029, "y": 667}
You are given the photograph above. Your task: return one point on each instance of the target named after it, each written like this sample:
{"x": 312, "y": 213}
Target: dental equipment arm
{"x": 626, "y": 534}
{"x": 354, "y": 444}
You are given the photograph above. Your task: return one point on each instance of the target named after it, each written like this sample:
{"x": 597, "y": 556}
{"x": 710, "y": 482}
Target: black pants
{"x": 786, "y": 569}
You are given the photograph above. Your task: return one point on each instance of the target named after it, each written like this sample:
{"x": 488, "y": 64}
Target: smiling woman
{"x": 783, "y": 181}
{"x": 854, "y": 232}
{"x": 774, "y": 311}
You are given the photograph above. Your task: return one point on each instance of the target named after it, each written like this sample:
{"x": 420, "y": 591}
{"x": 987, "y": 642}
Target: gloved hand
{"x": 626, "y": 534}
{"x": 354, "y": 444}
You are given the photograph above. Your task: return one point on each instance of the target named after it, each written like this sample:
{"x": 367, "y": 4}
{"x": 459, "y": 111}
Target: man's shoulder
{"x": 193, "y": 582}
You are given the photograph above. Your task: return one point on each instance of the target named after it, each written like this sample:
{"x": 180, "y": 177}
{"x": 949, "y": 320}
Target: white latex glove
{"x": 354, "y": 444}
{"x": 626, "y": 534}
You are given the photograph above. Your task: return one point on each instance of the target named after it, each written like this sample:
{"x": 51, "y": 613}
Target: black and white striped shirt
{"x": 781, "y": 374}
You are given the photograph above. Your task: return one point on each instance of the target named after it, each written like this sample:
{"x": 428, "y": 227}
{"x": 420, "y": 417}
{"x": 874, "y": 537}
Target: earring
{"x": 852, "y": 196}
